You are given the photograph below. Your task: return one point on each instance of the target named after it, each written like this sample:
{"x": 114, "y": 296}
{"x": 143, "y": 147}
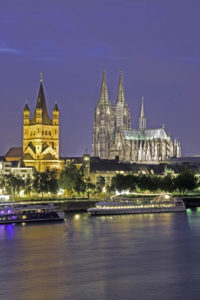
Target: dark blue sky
{"x": 155, "y": 42}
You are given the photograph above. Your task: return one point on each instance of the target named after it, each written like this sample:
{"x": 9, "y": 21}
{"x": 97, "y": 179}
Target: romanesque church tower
{"x": 41, "y": 135}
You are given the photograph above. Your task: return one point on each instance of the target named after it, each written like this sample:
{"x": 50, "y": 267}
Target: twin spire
{"x": 120, "y": 94}
{"x": 104, "y": 91}
{"x": 104, "y": 99}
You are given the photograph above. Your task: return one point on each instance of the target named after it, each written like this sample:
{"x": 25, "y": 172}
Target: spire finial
{"x": 142, "y": 108}
{"x": 142, "y": 120}
{"x": 41, "y": 77}
{"x": 104, "y": 90}
{"x": 120, "y": 94}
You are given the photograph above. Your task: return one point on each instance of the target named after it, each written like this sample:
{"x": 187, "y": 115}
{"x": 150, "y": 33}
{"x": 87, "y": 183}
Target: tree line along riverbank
{"x": 71, "y": 183}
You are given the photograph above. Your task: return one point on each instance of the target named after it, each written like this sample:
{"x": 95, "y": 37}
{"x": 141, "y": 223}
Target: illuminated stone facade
{"x": 41, "y": 136}
{"x": 113, "y": 136}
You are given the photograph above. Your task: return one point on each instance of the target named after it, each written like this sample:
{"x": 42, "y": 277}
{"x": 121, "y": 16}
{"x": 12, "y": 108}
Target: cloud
{"x": 11, "y": 51}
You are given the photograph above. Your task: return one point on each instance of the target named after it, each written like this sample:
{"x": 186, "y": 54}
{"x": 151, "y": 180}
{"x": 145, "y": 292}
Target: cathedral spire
{"x": 142, "y": 108}
{"x": 120, "y": 94}
{"x": 104, "y": 91}
{"x": 142, "y": 120}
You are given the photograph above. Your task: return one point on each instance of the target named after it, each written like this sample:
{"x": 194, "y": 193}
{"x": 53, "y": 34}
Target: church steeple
{"x": 142, "y": 120}
{"x": 41, "y": 107}
{"x": 41, "y": 135}
{"x": 120, "y": 94}
{"x": 104, "y": 91}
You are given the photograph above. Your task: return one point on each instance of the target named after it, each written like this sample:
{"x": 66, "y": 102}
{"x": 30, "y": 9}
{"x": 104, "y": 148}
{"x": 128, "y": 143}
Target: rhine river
{"x": 153, "y": 256}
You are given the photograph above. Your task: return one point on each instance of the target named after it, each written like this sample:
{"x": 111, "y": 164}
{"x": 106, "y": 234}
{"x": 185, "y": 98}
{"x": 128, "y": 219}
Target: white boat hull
{"x": 95, "y": 211}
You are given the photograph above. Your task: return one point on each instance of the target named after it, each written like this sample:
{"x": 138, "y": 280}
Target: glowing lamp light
{"x": 60, "y": 192}
{"x": 21, "y": 193}
{"x": 77, "y": 217}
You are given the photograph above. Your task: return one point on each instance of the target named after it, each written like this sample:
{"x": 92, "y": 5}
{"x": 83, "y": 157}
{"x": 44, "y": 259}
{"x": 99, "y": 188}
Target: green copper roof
{"x": 147, "y": 134}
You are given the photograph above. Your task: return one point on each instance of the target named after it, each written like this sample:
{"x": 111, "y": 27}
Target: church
{"x": 41, "y": 135}
{"x": 113, "y": 135}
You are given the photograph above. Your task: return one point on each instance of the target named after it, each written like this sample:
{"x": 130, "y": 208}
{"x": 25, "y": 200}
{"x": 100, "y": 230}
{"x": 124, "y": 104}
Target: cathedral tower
{"x": 103, "y": 123}
{"x": 41, "y": 135}
{"x": 122, "y": 113}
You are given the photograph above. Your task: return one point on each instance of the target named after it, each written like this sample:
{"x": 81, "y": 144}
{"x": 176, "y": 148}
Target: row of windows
{"x": 43, "y": 132}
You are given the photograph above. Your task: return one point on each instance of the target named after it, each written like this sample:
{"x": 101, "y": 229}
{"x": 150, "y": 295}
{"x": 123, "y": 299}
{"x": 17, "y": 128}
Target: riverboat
{"x": 160, "y": 204}
{"x": 22, "y": 213}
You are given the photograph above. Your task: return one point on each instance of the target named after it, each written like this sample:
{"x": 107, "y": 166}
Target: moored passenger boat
{"x": 160, "y": 204}
{"x": 19, "y": 213}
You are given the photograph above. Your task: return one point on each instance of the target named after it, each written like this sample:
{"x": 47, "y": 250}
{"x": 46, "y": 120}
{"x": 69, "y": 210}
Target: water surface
{"x": 153, "y": 256}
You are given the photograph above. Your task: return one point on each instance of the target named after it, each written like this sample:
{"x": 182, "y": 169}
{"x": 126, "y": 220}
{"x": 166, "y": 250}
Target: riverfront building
{"x": 113, "y": 135}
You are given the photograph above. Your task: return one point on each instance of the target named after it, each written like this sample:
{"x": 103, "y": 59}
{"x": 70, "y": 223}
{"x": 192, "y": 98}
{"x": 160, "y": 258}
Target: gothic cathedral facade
{"x": 113, "y": 135}
{"x": 41, "y": 135}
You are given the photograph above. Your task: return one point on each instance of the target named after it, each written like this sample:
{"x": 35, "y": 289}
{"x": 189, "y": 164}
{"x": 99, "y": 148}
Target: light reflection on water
{"x": 152, "y": 256}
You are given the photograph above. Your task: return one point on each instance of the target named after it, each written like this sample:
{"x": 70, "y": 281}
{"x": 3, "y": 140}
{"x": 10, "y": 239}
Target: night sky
{"x": 155, "y": 42}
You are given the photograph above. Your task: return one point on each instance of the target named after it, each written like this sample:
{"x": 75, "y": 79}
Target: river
{"x": 152, "y": 256}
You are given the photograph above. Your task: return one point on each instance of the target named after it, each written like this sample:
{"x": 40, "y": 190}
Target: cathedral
{"x": 113, "y": 135}
{"x": 41, "y": 135}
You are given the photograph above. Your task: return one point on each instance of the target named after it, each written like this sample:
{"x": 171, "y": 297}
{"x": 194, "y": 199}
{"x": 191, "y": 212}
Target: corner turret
{"x": 26, "y": 114}
{"x": 55, "y": 113}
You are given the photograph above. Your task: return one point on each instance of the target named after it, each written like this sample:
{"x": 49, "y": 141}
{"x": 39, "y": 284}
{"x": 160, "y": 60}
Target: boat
{"x": 160, "y": 204}
{"x": 20, "y": 213}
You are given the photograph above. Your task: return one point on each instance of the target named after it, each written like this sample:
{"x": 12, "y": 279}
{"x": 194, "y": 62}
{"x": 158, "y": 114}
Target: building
{"x": 41, "y": 135}
{"x": 95, "y": 167}
{"x": 113, "y": 135}
{"x": 16, "y": 168}
{"x": 14, "y": 154}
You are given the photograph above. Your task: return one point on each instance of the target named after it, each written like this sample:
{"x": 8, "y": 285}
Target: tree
{"x": 28, "y": 185}
{"x": 167, "y": 184}
{"x": 71, "y": 179}
{"x": 186, "y": 181}
{"x": 13, "y": 184}
{"x": 89, "y": 186}
{"x": 51, "y": 181}
{"x": 45, "y": 182}
{"x": 122, "y": 183}
{"x": 100, "y": 184}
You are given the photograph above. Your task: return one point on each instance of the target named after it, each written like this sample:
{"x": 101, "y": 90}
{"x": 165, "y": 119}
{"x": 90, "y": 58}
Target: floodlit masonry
{"x": 113, "y": 135}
